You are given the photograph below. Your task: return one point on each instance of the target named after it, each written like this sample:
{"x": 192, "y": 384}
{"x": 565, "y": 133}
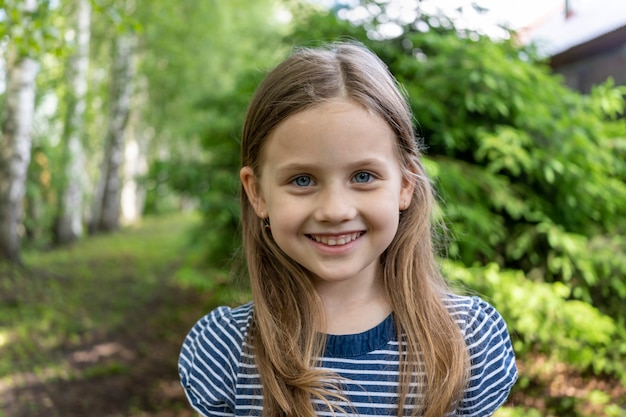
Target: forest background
{"x": 116, "y": 110}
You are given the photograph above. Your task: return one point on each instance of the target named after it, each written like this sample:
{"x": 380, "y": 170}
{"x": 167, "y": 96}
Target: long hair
{"x": 287, "y": 312}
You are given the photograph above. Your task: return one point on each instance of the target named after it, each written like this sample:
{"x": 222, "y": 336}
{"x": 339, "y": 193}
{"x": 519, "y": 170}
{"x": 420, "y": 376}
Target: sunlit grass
{"x": 65, "y": 298}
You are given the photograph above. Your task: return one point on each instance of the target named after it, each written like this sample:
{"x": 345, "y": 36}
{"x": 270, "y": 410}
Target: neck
{"x": 350, "y": 310}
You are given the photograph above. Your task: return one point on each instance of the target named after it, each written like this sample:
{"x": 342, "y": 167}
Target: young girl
{"x": 350, "y": 315}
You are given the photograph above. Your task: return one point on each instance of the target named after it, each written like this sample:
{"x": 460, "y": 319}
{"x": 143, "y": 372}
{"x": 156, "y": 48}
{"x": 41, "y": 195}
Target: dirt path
{"x": 128, "y": 371}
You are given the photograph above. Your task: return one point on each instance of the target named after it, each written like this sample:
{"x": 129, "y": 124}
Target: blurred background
{"x": 119, "y": 188}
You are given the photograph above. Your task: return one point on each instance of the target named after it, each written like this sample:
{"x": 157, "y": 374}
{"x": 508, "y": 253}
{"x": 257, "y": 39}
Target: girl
{"x": 350, "y": 315}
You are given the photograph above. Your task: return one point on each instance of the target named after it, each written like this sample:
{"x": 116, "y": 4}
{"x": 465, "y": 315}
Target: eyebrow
{"x": 307, "y": 167}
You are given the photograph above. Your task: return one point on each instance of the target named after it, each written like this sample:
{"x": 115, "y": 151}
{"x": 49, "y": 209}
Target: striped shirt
{"x": 217, "y": 370}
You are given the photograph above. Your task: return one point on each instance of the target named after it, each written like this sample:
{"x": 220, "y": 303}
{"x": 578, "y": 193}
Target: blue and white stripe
{"x": 218, "y": 374}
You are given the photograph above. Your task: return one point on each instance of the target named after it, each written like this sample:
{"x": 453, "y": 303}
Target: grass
{"x": 67, "y": 295}
{"x": 109, "y": 308}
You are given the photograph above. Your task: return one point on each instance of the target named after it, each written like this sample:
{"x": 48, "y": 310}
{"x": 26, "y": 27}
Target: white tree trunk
{"x": 15, "y": 146}
{"x": 135, "y": 160}
{"x": 107, "y": 200}
{"x": 69, "y": 223}
{"x": 133, "y": 195}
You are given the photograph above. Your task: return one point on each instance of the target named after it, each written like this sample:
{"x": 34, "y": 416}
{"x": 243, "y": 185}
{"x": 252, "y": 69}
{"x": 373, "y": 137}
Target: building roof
{"x": 588, "y": 20}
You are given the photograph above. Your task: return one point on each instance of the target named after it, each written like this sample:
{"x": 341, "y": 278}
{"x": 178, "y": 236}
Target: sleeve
{"x": 208, "y": 363}
{"x": 492, "y": 361}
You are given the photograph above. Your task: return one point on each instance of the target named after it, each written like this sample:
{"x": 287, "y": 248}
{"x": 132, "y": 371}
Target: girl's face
{"x": 332, "y": 185}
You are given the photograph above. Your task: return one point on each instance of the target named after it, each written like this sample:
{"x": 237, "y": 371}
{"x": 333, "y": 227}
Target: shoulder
{"x": 492, "y": 360}
{"x": 210, "y": 356}
{"x": 223, "y": 321}
{"x": 223, "y": 329}
{"x": 474, "y": 316}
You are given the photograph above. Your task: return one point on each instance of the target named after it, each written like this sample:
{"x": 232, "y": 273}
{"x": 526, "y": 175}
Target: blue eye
{"x": 363, "y": 177}
{"x": 302, "y": 181}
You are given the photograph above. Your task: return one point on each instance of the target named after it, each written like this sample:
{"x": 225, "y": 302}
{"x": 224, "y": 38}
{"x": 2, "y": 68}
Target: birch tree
{"x": 69, "y": 222}
{"x": 106, "y": 212}
{"x": 135, "y": 156}
{"x": 17, "y": 126}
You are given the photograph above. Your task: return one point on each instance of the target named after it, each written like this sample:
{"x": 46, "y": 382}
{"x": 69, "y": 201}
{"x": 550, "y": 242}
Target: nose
{"x": 335, "y": 204}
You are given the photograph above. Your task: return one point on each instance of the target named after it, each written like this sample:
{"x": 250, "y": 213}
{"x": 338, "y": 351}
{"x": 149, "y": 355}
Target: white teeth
{"x": 332, "y": 241}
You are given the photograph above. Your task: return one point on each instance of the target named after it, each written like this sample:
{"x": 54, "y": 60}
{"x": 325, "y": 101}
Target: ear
{"x": 253, "y": 190}
{"x": 408, "y": 187}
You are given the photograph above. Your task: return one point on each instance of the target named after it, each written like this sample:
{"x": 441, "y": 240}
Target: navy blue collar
{"x": 352, "y": 345}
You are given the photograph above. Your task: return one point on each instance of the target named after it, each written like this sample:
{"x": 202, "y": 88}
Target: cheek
{"x": 385, "y": 215}
{"x": 287, "y": 227}
{"x": 285, "y": 212}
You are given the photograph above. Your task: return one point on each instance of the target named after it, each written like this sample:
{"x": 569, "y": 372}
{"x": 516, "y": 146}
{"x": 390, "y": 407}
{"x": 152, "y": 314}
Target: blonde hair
{"x": 287, "y": 311}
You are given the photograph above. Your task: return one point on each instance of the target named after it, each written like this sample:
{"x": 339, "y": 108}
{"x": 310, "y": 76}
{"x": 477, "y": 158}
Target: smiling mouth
{"x": 336, "y": 240}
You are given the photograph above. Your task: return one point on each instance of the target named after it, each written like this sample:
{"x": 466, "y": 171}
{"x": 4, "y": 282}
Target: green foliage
{"x": 106, "y": 369}
{"x": 534, "y": 193}
{"x": 192, "y": 51}
{"x": 29, "y": 31}
{"x": 518, "y": 412}
{"x": 202, "y": 91}
{"x": 543, "y": 315}
{"x": 186, "y": 51}
{"x": 529, "y": 169}
{"x": 213, "y": 179}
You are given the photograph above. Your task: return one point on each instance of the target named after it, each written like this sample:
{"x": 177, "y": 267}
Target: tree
{"x": 15, "y": 145}
{"x": 69, "y": 221}
{"x": 106, "y": 214}
{"x": 199, "y": 95}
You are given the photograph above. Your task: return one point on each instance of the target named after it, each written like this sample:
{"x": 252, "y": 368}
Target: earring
{"x": 266, "y": 222}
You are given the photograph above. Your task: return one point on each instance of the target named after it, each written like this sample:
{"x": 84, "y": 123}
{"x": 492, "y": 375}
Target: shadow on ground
{"x": 131, "y": 372}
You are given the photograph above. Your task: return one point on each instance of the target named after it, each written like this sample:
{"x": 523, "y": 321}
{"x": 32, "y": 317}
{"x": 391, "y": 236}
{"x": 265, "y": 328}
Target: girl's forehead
{"x": 333, "y": 114}
{"x": 335, "y": 131}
